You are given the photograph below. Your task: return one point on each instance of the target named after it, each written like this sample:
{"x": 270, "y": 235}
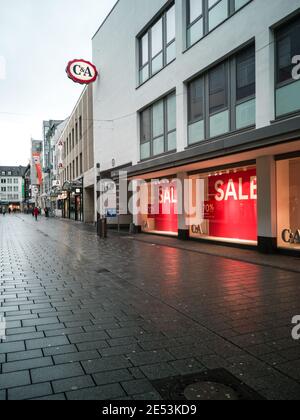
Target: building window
{"x": 226, "y": 205}
{"x": 218, "y": 101}
{"x": 287, "y": 87}
{"x": 76, "y": 133}
{"x": 73, "y": 138}
{"x": 80, "y": 164}
{"x": 80, "y": 127}
{"x": 288, "y": 203}
{"x": 158, "y": 128}
{"x": 157, "y": 46}
{"x": 223, "y": 99}
{"x": 245, "y": 89}
{"x": 205, "y": 15}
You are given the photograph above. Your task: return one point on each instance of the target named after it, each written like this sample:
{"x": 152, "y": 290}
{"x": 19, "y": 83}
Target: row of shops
{"x": 250, "y": 203}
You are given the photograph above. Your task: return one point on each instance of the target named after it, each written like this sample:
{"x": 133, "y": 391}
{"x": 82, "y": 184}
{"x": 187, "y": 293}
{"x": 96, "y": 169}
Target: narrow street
{"x": 92, "y": 319}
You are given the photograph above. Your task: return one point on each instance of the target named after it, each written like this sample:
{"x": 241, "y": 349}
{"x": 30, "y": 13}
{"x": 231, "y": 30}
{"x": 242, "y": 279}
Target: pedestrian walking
{"x": 46, "y": 212}
{"x": 36, "y": 213}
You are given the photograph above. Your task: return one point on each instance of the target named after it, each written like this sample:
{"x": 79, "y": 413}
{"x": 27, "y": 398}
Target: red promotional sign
{"x": 167, "y": 219}
{"x": 233, "y": 197}
{"x": 82, "y": 71}
{"x": 37, "y": 162}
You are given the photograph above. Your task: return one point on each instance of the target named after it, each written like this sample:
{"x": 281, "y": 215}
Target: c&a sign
{"x": 290, "y": 237}
{"x": 82, "y": 71}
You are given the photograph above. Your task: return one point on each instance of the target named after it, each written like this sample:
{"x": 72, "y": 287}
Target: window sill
{"x": 157, "y": 156}
{"x": 223, "y": 136}
{"x": 286, "y": 117}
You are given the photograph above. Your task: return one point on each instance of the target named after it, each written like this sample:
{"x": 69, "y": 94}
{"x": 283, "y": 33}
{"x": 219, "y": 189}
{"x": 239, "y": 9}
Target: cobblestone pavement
{"x": 92, "y": 319}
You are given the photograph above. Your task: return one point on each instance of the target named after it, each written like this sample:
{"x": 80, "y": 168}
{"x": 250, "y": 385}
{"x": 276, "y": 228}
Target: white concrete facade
{"x": 118, "y": 98}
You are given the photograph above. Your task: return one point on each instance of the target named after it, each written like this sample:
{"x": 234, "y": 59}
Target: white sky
{"x": 37, "y": 39}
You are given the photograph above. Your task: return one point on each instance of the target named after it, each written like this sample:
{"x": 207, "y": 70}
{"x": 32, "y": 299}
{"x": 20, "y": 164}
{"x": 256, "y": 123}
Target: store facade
{"x": 288, "y": 204}
{"x": 212, "y": 106}
{"x": 72, "y": 201}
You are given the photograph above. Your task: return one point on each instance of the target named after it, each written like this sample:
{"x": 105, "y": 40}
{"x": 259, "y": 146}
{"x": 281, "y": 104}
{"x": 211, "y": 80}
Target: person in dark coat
{"x": 36, "y": 213}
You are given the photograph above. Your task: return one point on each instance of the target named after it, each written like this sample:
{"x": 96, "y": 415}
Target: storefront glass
{"x": 288, "y": 204}
{"x": 72, "y": 207}
{"x": 224, "y": 206}
{"x": 162, "y": 212}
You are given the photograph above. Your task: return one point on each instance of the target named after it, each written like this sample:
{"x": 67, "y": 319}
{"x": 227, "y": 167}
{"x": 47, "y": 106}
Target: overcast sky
{"x": 37, "y": 39}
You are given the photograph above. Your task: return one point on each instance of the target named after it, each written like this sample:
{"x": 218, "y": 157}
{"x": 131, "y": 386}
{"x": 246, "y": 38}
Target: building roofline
{"x": 113, "y": 8}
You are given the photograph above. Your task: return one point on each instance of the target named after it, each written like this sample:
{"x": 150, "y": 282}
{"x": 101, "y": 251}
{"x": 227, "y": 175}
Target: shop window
{"x": 158, "y": 128}
{"x": 224, "y": 205}
{"x": 223, "y": 99}
{"x": 205, "y": 15}
{"x": 287, "y": 86}
{"x": 218, "y": 101}
{"x": 288, "y": 204}
{"x": 160, "y": 200}
{"x": 245, "y": 88}
{"x": 157, "y": 47}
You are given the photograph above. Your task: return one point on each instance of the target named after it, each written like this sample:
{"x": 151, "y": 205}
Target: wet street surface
{"x": 93, "y": 319}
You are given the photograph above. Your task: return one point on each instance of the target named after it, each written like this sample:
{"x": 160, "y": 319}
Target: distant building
{"x": 12, "y": 188}
{"x": 75, "y": 159}
{"x": 49, "y": 129}
{"x": 36, "y": 172}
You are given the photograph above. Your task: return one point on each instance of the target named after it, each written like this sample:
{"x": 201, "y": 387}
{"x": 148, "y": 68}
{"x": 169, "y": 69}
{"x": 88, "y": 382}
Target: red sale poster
{"x": 234, "y": 199}
{"x": 166, "y": 219}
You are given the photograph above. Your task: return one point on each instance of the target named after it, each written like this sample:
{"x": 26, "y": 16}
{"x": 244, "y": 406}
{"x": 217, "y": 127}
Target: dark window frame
{"x": 205, "y": 16}
{"x": 165, "y": 45}
{"x": 279, "y": 37}
{"x": 232, "y": 101}
{"x": 166, "y": 131}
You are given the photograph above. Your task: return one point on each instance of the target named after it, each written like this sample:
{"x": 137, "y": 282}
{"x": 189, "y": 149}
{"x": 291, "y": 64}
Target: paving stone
{"x": 92, "y": 345}
{"x": 119, "y": 350}
{"x": 73, "y": 384}
{"x": 26, "y": 364}
{"x": 24, "y": 355}
{"x": 52, "y": 288}
{"x": 56, "y": 397}
{"x": 76, "y": 357}
{"x": 56, "y": 372}
{"x": 106, "y": 364}
{"x": 140, "y": 386}
{"x": 125, "y": 332}
{"x": 15, "y": 379}
{"x": 159, "y": 371}
{"x": 146, "y": 358}
{"x": 86, "y": 337}
{"x": 29, "y": 392}
{"x": 23, "y": 330}
{"x": 46, "y": 342}
{"x": 40, "y": 321}
{"x": 111, "y": 377}
{"x": 148, "y": 396}
{"x": 106, "y": 392}
{"x": 12, "y": 347}
{"x": 53, "y": 351}
{"x": 22, "y": 337}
